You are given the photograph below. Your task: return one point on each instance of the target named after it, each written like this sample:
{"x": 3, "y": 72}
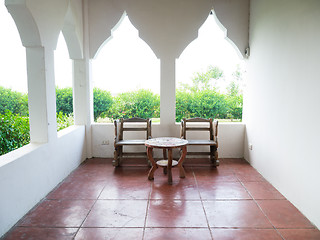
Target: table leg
{"x": 180, "y": 162}
{"x": 165, "y": 158}
{"x": 154, "y": 165}
{"x": 169, "y": 165}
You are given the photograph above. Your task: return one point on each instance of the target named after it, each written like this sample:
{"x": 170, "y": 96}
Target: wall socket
{"x": 105, "y": 142}
{"x": 250, "y": 146}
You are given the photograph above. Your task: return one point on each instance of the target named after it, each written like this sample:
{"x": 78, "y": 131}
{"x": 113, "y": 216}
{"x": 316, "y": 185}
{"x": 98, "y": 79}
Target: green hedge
{"x": 14, "y": 131}
{"x": 13, "y": 101}
{"x": 205, "y": 104}
{"x": 141, "y": 103}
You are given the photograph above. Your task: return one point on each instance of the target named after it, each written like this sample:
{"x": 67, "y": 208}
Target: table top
{"x": 166, "y": 142}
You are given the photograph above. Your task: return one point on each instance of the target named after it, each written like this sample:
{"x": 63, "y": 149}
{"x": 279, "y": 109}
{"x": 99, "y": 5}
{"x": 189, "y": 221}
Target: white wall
{"x": 230, "y": 135}
{"x": 28, "y": 174}
{"x": 281, "y": 104}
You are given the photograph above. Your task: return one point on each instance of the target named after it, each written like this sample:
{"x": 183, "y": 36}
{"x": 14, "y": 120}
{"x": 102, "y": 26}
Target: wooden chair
{"x": 202, "y": 124}
{"x": 130, "y": 125}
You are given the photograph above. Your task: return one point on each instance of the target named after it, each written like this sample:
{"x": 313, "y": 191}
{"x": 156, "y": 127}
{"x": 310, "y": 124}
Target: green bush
{"x": 14, "y": 131}
{"x": 141, "y": 103}
{"x": 13, "y": 101}
{"x": 64, "y": 100}
{"x": 64, "y": 120}
{"x": 205, "y": 104}
{"x": 102, "y": 102}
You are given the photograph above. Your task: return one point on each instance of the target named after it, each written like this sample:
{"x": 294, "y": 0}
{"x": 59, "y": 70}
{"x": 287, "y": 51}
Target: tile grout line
{"x": 205, "y": 214}
{"x": 89, "y": 211}
{"x": 255, "y": 201}
{"x": 147, "y": 210}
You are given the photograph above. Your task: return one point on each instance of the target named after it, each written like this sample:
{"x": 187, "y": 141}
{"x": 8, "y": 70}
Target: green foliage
{"x": 14, "y": 131}
{"x": 64, "y": 120}
{"x": 203, "y": 80}
{"x": 14, "y": 101}
{"x": 205, "y": 104}
{"x": 64, "y": 100}
{"x": 141, "y": 103}
{"x": 102, "y": 102}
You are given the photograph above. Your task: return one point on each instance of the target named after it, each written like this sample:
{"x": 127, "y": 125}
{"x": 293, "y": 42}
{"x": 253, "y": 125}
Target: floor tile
{"x": 262, "y": 190}
{"x": 214, "y": 175}
{"x": 58, "y": 213}
{"x": 41, "y": 233}
{"x": 222, "y": 190}
{"x": 117, "y": 213}
{"x": 299, "y": 234}
{"x": 240, "y": 214}
{"x": 175, "y": 213}
{"x": 127, "y": 190}
{"x": 81, "y": 189}
{"x": 177, "y": 233}
{"x": 245, "y": 234}
{"x": 283, "y": 214}
{"x": 129, "y": 206}
{"x": 109, "y": 234}
{"x": 185, "y": 189}
{"x": 248, "y": 174}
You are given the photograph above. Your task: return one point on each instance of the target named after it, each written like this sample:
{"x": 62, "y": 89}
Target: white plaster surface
{"x": 281, "y": 103}
{"x": 230, "y": 135}
{"x": 31, "y": 172}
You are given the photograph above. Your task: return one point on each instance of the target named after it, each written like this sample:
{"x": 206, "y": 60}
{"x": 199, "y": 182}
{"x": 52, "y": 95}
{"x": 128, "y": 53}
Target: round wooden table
{"x": 166, "y": 143}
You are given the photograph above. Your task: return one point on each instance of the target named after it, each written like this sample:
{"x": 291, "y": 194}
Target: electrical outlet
{"x": 250, "y": 146}
{"x": 105, "y": 142}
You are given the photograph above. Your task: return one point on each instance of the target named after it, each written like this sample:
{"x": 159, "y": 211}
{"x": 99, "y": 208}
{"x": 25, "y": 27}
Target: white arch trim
{"x": 72, "y": 37}
{"x": 26, "y": 24}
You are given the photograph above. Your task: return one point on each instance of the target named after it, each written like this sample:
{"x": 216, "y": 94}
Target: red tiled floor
{"x": 177, "y": 233}
{"x": 42, "y": 233}
{"x": 222, "y": 191}
{"x": 58, "y": 213}
{"x": 283, "y": 214}
{"x": 117, "y": 213}
{"x": 235, "y": 214}
{"x": 245, "y": 234}
{"x": 109, "y": 233}
{"x": 175, "y": 213}
{"x": 299, "y": 234}
{"x": 98, "y": 201}
{"x": 262, "y": 190}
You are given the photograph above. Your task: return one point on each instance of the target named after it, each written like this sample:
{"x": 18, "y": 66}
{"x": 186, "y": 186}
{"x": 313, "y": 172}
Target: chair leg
{"x": 115, "y": 161}
{"x": 214, "y": 156}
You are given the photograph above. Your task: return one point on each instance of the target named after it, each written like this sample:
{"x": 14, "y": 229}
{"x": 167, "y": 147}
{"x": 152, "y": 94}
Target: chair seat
{"x": 130, "y": 142}
{"x": 202, "y": 142}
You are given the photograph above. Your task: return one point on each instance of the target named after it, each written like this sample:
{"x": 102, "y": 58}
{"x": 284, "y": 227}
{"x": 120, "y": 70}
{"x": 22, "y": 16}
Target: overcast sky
{"x": 125, "y": 62}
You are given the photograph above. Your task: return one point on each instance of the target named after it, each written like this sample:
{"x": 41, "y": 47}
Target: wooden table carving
{"x": 166, "y": 143}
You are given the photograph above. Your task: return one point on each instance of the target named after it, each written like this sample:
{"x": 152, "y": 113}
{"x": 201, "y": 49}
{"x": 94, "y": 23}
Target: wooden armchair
{"x": 130, "y": 125}
{"x": 202, "y": 124}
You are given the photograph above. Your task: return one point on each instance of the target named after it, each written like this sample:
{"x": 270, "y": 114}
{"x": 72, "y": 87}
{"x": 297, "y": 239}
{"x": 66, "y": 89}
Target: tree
{"x": 204, "y": 80}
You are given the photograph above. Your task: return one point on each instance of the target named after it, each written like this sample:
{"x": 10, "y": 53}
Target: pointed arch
{"x": 25, "y": 22}
{"x": 72, "y": 33}
{"x": 233, "y": 18}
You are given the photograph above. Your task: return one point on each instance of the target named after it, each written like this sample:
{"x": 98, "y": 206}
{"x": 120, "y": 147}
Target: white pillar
{"x": 167, "y": 95}
{"x": 83, "y": 98}
{"x": 42, "y": 95}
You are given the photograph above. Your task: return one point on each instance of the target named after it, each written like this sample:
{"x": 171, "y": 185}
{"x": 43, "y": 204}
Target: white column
{"x": 83, "y": 98}
{"x": 42, "y": 95}
{"x": 167, "y": 95}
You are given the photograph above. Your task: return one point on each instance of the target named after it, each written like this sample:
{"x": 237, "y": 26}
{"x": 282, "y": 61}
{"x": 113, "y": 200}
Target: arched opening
{"x": 14, "y": 113}
{"x": 126, "y": 77}
{"x": 209, "y": 77}
{"x": 63, "y": 80}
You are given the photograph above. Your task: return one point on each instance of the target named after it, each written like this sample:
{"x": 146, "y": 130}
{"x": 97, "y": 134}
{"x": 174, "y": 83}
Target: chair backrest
{"x": 211, "y": 127}
{"x": 122, "y": 126}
